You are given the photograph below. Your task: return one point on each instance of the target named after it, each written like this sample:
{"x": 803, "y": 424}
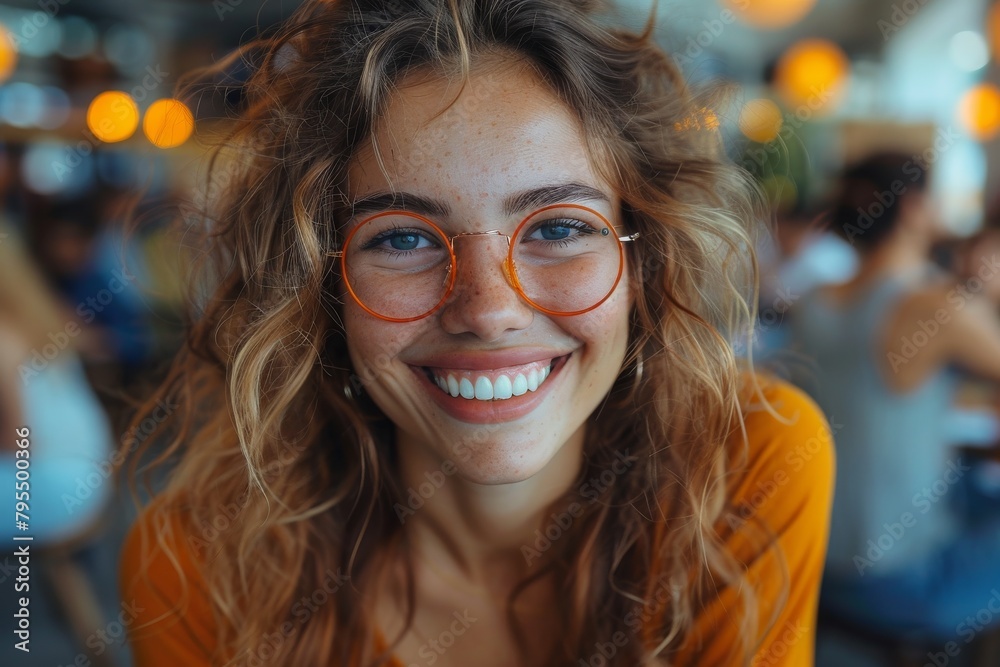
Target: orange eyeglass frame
{"x": 508, "y": 265}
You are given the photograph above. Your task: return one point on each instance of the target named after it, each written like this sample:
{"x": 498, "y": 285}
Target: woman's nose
{"x": 483, "y": 302}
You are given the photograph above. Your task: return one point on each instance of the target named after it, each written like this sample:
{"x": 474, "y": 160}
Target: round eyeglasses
{"x": 563, "y": 259}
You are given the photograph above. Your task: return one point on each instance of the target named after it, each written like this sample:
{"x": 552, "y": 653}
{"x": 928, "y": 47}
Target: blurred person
{"x": 79, "y": 246}
{"x": 467, "y": 367}
{"x": 885, "y": 347}
{"x": 800, "y": 256}
{"x": 805, "y": 254}
{"x": 43, "y": 387}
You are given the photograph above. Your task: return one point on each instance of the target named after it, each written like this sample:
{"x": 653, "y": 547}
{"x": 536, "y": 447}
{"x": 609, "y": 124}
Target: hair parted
{"x": 264, "y": 434}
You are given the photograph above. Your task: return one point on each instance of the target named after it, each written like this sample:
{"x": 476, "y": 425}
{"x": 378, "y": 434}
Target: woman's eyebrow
{"x": 536, "y": 198}
{"x": 399, "y": 201}
{"x": 517, "y": 202}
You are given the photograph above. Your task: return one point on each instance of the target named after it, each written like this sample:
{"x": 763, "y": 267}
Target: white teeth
{"x": 533, "y": 380}
{"x": 502, "y": 388}
{"x": 465, "y": 389}
{"x": 484, "y": 389}
{"x": 497, "y": 390}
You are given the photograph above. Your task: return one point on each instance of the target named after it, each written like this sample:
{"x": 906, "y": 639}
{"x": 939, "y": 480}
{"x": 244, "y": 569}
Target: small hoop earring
{"x": 638, "y": 367}
{"x": 351, "y": 391}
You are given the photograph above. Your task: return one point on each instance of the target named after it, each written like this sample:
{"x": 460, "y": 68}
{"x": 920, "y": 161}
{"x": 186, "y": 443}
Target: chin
{"x": 508, "y": 454}
{"x": 503, "y": 463}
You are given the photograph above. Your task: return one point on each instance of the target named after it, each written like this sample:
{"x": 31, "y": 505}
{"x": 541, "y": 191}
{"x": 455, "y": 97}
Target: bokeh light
{"x": 168, "y": 123}
{"x": 129, "y": 48}
{"x": 969, "y": 51}
{"x": 761, "y": 121}
{"x": 79, "y": 38}
{"x": 979, "y": 111}
{"x": 8, "y": 54}
{"x": 37, "y": 34}
{"x": 770, "y": 14}
{"x": 22, "y": 104}
{"x": 51, "y": 167}
{"x": 812, "y": 74}
{"x": 113, "y": 116}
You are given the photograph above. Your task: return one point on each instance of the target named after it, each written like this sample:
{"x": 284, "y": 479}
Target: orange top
{"x": 787, "y": 484}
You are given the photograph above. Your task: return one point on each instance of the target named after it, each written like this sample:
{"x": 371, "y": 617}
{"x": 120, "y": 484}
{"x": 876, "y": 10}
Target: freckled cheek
{"x": 604, "y": 333}
{"x": 372, "y": 344}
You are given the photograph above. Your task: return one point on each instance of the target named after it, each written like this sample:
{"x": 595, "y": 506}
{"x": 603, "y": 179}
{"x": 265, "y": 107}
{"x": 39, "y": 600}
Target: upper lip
{"x": 488, "y": 360}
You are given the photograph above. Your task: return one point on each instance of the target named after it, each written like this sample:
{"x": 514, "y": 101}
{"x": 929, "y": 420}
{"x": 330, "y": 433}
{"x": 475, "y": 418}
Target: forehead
{"x": 503, "y": 131}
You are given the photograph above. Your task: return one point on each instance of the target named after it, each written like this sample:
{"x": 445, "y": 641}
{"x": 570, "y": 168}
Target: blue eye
{"x": 555, "y": 232}
{"x": 400, "y": 240}
{"x": 404, "y": 241}
{"x": 560, "y": 230}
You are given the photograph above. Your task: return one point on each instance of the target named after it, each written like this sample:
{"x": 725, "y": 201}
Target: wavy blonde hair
{"x": 304, "y": 476}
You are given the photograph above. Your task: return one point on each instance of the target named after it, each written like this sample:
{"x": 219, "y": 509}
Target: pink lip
{"x": 488, "y": 412}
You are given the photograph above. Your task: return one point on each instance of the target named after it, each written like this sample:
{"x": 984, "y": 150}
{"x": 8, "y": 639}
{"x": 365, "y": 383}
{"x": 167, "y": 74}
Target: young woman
{"x": 465, "y": 392}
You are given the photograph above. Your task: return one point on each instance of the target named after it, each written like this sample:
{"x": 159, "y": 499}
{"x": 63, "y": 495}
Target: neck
{"x": 895, "y": 256}
{"x": 477, "y": 531}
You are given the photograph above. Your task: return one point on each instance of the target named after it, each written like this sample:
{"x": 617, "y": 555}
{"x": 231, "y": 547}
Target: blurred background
{"x": 89, "y": 130}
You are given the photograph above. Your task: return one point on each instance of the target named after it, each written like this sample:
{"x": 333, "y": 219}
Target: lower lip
{"x": 474, "y": 411}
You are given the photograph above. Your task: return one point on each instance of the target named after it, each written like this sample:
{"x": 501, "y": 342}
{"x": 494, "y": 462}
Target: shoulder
{"x": 782, "y": 459}
{"x": 784, "y": 427}
{"x": 782, "y": 499}
{"x": 161, "y": 581}
{"x": 776, "y": 527}
{"x": 158, "y": 530}
{"x": 924, "y": 300}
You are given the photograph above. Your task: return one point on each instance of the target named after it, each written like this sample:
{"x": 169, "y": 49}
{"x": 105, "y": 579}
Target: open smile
{"x": 495, "y": 385}
{"x": 491, "y": 396}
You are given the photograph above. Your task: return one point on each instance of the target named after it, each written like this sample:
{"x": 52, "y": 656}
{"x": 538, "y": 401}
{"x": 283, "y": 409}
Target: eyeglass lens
{"x": 565, "y": 260}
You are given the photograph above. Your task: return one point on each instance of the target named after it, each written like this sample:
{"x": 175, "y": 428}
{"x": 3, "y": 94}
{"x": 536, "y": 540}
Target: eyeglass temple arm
{"x": 628, "y": 237}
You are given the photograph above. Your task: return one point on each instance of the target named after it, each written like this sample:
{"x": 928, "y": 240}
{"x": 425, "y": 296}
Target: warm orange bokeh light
{"x": 168, "y": 123}
{"x": 761, "y": 121}
{"x": 770, "y": 14}
{"x": 979, "y": 111}
{"x": 812, "y": 74}
{"x": 113, "y": 116}
{"x": 8, "y": 54}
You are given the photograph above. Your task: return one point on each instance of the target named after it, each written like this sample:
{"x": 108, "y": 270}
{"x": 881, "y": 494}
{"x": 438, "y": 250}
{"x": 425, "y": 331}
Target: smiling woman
{"x": 465, "y": 392}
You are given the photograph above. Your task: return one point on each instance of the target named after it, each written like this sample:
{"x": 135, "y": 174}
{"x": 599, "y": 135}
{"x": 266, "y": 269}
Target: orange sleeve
{"x": 172, "y": 622}
{"x": 786, "y": 489}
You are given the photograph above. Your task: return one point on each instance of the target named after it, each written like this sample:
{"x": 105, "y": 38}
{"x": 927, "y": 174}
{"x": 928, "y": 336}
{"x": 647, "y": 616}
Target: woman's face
{"x": 505, "y": 148}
